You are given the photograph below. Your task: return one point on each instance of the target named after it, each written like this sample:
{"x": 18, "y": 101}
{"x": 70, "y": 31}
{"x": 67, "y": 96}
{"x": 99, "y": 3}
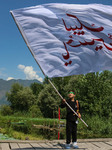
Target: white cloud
{"x": 29, "y": 72}
{"x": 21, "y": 66}
{"x": 9, "y": 78}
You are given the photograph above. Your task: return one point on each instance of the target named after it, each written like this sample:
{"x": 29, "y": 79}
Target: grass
{"x": 21, "y": 127}
{"x": 18, "y": 135}
{"x": 22, "y": 136}
{"x": 98, "y": 128}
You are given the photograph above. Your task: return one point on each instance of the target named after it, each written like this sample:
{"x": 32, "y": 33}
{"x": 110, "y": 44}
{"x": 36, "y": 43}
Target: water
{"x": 5, "y": 137}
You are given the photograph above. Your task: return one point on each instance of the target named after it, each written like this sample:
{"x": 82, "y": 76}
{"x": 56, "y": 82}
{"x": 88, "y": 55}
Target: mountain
{"x": 5, "y": 86}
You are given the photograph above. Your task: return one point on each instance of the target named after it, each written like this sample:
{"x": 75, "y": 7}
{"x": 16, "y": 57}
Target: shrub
{"x": 35, "y": 111}
{"x": 6, "y": 110}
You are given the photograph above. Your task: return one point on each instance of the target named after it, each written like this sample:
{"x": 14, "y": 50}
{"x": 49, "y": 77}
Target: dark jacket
{"x": 70, "y": 116}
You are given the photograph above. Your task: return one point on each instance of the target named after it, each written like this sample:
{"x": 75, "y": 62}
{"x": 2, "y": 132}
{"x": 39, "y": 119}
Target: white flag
{"x": 68, "y": 39}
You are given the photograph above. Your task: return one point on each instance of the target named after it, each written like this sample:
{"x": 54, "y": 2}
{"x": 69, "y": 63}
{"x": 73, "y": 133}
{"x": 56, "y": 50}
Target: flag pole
{"x": 66, "y": 102}
{"x": 27, "y": 43}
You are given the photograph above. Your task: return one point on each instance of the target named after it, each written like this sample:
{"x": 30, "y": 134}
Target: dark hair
{"x": 72, "y": 91}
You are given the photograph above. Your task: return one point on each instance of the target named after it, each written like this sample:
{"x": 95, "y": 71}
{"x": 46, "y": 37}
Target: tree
{"x": 48, "y": 101}
{"x": 25, "y": 99}
{"x": 61, "y": 83}
{"x": 12, "y": 95}
{"x": 35, "y": 111}
{"x": 6, "y": 110}
{"x": 21, "y": 98}
{"x": 94, "y": 91}
{"x": 36, "y": 88}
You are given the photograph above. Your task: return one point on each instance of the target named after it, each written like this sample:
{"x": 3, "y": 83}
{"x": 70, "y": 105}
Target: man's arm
{"x": 62, "y": 105}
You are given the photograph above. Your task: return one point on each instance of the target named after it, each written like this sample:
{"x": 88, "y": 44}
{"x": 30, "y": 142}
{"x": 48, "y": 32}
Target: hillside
{"x": 6, "y": 85}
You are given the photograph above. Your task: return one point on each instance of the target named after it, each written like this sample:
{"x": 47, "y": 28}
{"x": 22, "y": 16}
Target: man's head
{"x": 71, "y": 94}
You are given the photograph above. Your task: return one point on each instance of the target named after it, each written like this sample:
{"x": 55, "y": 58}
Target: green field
{"x": 27, "y": 128}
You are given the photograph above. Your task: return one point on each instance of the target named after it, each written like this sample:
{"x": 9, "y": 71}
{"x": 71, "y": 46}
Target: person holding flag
{"x": 71, "y": 119}
{"x": 66, "y": 40}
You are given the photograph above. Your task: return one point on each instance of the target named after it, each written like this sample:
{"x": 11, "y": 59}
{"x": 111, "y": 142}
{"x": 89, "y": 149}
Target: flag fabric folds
{"x": 68, "y": 39}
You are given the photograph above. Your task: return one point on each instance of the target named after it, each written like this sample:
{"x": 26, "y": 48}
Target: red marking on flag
{"x": 110, "y": 36}
{"x": 66, "y": 64}
{"x": 72, "y": 43}
{"x": 93, "y": 25}
{"x": 66, "y": 56}
{"x": 98, "y": 48}
{"x": 82, "y": 25}
{"x": 82, "y": 32}
{"x": 79, "y": 33}
{"x": 71, "y": 36}
{"x": 69, "y": 42}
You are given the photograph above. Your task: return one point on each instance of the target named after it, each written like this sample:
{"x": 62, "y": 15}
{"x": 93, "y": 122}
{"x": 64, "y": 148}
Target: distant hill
{"x": 5, "y": 86}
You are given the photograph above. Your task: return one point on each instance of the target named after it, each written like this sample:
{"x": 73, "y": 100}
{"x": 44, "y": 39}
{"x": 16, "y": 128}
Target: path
{"x": 88, "y": 144}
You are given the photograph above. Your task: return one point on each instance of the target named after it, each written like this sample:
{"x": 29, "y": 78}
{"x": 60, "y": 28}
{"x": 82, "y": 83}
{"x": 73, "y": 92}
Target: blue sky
{"x": 15, "y": 58}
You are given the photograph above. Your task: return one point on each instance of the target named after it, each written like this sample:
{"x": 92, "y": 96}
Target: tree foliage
{"x": 48, "y": 101}
{"x": 93, "y": 90}
{"x": 6, "y": 110}
{"x": 35, "y": 111}
{"x": 21, "y": 98}
{"x": 36, "y": 88}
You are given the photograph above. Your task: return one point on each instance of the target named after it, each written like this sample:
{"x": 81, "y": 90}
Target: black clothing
{"x": 70, "y": 114}
{"x": 71, "y": 130}
{"x": 71, "y": 118}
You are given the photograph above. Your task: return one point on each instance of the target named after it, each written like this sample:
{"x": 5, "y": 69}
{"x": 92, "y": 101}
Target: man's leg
{"x": 74, "y": 132}
{"x": 68, "y": 132}
{"x": 74, "y": 135}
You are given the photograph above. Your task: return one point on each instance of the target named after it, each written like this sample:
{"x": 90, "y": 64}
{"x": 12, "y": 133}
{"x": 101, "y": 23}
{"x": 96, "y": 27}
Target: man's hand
{"x": 79, "y": 115}
{"x": 63, "y": 100}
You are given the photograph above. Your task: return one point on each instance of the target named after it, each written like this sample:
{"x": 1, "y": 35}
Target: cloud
{"x": 29, "y": 72}
{"x": 9, "y": 78}
{"x": 21, "y": 66}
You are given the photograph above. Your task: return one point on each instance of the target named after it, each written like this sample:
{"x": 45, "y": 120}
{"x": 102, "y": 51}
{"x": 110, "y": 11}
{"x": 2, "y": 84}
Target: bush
{"x": 6, "y": 110}
{"x": 98, "y": 127}
{"x": 35, "y": 111}
{"x": 63, "y": 113}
